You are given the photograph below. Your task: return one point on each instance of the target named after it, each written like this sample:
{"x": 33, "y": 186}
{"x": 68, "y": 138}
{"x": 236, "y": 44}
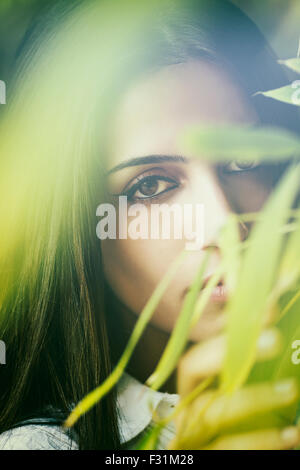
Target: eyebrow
{"x": 147, "y": 160}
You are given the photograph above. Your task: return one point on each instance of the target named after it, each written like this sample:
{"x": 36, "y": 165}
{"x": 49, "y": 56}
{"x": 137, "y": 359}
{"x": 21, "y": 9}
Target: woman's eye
{"x": 150, "y": 186}
{"x": 237, "y": 165}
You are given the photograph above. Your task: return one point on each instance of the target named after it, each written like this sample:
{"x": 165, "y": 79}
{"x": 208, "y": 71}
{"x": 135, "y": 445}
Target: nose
{"x": 216, "y": 207}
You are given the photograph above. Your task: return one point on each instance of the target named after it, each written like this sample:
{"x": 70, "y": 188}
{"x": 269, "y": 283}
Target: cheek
{"x": 133, "y": 268}
{"x": 247, "y": 194}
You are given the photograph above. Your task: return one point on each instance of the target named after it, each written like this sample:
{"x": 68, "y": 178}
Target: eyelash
{"x": 226, "y": 168}
{"x": 141, "y": 179}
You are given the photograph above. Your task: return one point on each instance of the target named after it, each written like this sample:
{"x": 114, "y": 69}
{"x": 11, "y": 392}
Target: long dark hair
{"x": 54, "y": 146}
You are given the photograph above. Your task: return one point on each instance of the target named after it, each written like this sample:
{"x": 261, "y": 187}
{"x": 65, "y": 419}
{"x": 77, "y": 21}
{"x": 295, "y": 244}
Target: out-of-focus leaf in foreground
{"x": 259, "y": 267}
{"x": 180, "y": 332}
{"x": 229, "y": 242}
{"x": 287, "y": 94}
{"x": 96, "y": 395}
{"x": 220, "y": 143}
{"x": 289, "y": 269}
{"x": 293, "y": 64}
{"x": 149, "y": 440}
{"x": 290, "y": 93}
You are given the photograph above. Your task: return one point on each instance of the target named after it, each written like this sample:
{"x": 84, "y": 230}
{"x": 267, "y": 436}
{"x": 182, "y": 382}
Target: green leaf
{"x": 290, "y": 328}
{"x": 247, "y": 306}
{"x": 206, "y": 293}
{"x": 289, "y": 269}
{"x": 293, "y": 64}
{"x": 149, "y": 440}
{"x": 179, "y": 336}
{"x": 230, "y": 246}
{"x": 287, "y": 94}
{"x": 219, "y": 143}
{"x": 98, "y": 393}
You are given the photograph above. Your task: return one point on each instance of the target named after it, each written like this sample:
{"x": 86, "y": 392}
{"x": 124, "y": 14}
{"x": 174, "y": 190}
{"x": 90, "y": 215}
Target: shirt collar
{"x": 136, "y": 403}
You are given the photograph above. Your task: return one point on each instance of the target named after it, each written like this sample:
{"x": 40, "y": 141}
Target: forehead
{"x": 152, "y": 114}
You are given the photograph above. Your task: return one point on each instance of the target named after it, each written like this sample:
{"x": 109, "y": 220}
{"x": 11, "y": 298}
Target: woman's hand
{"x": 254, "y": 417}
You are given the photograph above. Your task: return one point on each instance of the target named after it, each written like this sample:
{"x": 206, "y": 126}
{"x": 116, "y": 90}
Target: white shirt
{"x": 136, "y": 403}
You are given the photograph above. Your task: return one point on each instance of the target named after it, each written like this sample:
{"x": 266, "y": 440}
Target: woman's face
{"x": 148, "y": 122}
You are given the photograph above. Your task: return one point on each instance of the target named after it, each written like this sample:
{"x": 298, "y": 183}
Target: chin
{"x": 211, "y": 323}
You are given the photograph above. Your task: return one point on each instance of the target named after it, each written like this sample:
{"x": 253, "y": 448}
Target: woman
{"x": 97, "y": 110}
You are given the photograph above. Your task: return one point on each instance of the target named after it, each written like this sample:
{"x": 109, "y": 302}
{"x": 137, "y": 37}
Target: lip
{"x": 219, "y": 293}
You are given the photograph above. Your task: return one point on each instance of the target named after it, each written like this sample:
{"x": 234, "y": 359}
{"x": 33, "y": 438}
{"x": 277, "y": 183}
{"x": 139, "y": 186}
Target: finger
{"x": 206, "y": 359}
{"x": 226, "y": 412}
{"x": 267, "y": 439}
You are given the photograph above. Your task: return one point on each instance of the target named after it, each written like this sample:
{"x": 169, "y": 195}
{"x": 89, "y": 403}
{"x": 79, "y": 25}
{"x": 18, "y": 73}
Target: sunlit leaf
{"x": 229, "y": 243}
{"x": 149, "y": 440}
{"x": 218, "y": 143}
{"x": 206, "y": 293}
{"x": 290, "y": 328}
{"x": 287, "y": 94}
{"x": 293, "y": 64}
{"x": 96, "y": 395}
{"x": 289, "y": 269}
{"x": 179, "y": 335}
{"x": 246, "y": 308}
